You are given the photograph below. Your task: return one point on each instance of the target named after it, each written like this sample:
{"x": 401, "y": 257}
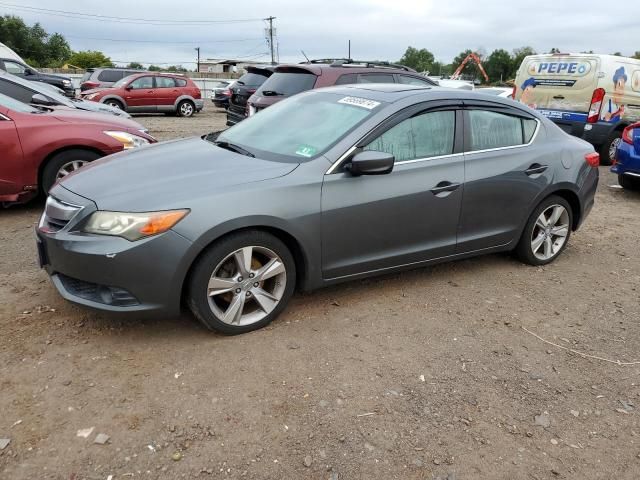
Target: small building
{"x": 226, "y": 65}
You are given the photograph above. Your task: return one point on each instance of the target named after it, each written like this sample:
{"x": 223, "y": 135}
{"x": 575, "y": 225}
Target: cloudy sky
{"x": 378, "y": 29}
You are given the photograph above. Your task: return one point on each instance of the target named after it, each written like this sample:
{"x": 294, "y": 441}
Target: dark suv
{"x": 287, "y": 80}
{"x": 105, "y": 77}
{"x": 246, "y": 86}
{"x": 22, "y": 70}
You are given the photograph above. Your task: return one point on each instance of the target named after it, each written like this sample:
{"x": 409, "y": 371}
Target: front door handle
{"x": 559, "y": 97}
{"x": 536, "y": 169}
{"x": 444, "y": 188}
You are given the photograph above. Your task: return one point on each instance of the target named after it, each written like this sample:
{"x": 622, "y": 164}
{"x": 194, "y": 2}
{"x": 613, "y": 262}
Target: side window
{"x": 13, "y": 67}
{"x": 142, "y": 82}
{"x": 494, "y": 130}
{"x": 180, "y": 82}
{"x": 426, "y": 135}
{"x": 409, "y": 80}
{"x": 18, "y": 92}
{"x": 347, "y": 78}
{"x": 376, "y": 78}
{"x": 165, "y": 82}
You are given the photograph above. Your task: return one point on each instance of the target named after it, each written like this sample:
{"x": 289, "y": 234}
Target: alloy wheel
{"x": 115, "y": 105}
{"x": 69, "y": 167}
{"x": 247, "y": 285}
{"x": 186, "y": 109}
{"x": 550, "y": 232}
{"x": 613, "y": 148}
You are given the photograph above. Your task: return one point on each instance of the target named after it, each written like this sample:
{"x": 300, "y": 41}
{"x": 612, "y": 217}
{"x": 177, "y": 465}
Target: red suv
{"x": 40, "y": 146}
{"x": 151, "y": 93}
{"x": 290, "y": 79}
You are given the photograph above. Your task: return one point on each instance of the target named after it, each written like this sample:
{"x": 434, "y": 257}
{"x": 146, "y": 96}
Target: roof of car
{"x": 317, "y": 66}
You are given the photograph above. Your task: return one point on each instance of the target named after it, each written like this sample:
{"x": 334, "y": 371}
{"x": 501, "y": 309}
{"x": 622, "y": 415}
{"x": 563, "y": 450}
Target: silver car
{"x": 327, "y": 186}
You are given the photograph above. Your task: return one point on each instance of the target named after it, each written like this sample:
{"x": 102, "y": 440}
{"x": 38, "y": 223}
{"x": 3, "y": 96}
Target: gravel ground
{"x": 427, "y": 374}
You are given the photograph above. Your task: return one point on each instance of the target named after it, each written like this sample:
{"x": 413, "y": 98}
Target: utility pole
{"x": 349, "y": 56}
{"x": 273, "y": 57}
{"x": 198, "y": 67}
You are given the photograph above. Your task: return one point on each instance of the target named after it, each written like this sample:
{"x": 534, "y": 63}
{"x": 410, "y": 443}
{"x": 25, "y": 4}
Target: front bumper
{"x": 199, "y": 104}
{"x": 627, "y": 161}
{"x": 112, "y": 273}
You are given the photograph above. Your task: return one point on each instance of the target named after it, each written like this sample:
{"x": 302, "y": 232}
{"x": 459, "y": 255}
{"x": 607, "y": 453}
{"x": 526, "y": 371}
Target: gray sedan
{"x": 329, "y": 185}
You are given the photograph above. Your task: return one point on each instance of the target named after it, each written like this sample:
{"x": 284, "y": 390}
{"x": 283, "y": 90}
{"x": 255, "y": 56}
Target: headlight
{"x": 132, "y": 226}
{"x": 128, "y": 140}
{"x": 91, "y": 96}
{"x": 66, "y": 82}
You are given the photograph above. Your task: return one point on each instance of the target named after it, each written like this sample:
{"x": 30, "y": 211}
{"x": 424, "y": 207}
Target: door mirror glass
{"x": 39, "y": 99}
{"x": 371, "y": 162}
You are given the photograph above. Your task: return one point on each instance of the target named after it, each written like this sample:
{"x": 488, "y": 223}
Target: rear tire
{"x": 186, "y": 108}
{"x": 545, "y": 236}
{"x": 64, "y": 163}
{"x": 629, "y": 183}
{"x": 608, "y": 148}
{"x": 241, "y": 282}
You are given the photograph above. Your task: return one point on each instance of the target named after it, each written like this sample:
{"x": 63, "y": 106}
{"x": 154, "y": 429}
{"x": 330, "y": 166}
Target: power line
{"x": 108, "y": 18}
{"x": 162, "y": 41}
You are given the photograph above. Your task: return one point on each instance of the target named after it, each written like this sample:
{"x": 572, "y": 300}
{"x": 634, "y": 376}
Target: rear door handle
{"x": 444, "y": 188}
{"x": 559, "y": 97}
{"x": 536, "y": 169}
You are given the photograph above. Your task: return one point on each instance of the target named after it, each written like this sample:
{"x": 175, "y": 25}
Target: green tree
{"x": 617, "y": 54}
{"x": 90, "y": 59}
{"x": 421, "y": 60}
{"x": 33, "y": 43}
{"x": 469, "y": 69}
{"x": 499, "y": 65}
{"x": 135, "y": 65}
{"x": 58, "y": 50}
{"x": 637, "y": 55}
{"x": 176, "y": 68}
{"x": 154, "y": 68}
{"x": 555, "y": 50}
{"x": 518, "y": 58}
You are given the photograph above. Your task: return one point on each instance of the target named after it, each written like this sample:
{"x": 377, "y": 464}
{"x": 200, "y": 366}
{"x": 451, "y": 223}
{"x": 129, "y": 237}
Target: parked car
{"x": 326, "y": 186}
{"x": 151, "y": 93}
{"x": 40, "y": 146}
{"x": 627, "y": 160}
{"x": 591, "y": 96}
{"x": 220, "y": 95}
{"x": 37, "y": 93}
{"x": 448, "y": 83}
{"x": 498, "y": 91}
{"x": 288, "y": 80}
{"x": 244, "y": 87}
{"x": 105, "y": 77}
{"x": 22, "y": 70}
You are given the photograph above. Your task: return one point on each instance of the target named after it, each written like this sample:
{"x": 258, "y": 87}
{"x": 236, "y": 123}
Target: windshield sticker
{"x": 306, "y": 151}
{"x": 360, "y": 102}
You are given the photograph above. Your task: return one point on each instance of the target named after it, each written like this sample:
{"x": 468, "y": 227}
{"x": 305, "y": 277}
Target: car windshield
{"x": 300, "y": 127}
{"x": 123, "y": 81}
{"x": 16, "y": 106}
{"x": 252, "y": 79}
{"x": 287, "y": 83}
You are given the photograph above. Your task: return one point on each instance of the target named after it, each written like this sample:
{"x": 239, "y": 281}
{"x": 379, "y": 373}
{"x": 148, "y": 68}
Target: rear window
{"x": 180, "y": 82}
{"x": 111, "y": 75}
{"x": 287, "y": 83}
{"x": 409, "y": 80}
{"x": 347, "y": 78}
{"x": 252, "y": 79}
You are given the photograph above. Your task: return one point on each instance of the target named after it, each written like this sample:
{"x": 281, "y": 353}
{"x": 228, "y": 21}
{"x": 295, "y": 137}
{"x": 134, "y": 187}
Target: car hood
{"x": 100, "y": 108}
{"x": 94, "y": 117}
{"x": 168, "y": 175}
{"x": 48, "y": 76}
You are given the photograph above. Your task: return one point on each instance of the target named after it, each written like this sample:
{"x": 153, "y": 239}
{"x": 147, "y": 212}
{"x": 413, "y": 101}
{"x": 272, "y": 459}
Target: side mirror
{"x": 128, "y": 87}
{"x": 39, "y": 99}
{"x": 370, "y": 162}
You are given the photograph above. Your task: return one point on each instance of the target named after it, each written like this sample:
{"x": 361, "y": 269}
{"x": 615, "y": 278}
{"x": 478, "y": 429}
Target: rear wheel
{"x": 609, "y": 148}
{"x": 547, "y": 232}
{"x": 64, "y": 163}
{"x": 242, "y": 282}
{"x": 186, "y": 108}
{"x": 629, "y": 183}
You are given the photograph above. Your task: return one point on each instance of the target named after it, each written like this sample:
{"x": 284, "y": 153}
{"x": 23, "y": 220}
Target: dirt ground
{"x": 427, "y": 374}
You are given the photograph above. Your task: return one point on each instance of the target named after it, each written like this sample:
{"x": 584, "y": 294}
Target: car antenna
{"x": 305, "y": 56}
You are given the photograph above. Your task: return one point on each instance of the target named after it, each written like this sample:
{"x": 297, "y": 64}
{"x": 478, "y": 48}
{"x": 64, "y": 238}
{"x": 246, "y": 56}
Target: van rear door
{"x": 559, "y": 86}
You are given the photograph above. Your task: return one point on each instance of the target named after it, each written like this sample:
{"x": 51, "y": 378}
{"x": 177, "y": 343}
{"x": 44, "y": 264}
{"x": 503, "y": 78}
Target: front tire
{"x": 64, "y": 163}
{"x": 241, "y": 282}
{"x": 115, "y": 104}
{"x": 629, "y": 183}
{"x": 547, "y": 232}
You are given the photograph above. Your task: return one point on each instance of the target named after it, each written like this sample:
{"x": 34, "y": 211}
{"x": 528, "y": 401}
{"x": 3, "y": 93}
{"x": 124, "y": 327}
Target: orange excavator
{"x": 476, "y": 59}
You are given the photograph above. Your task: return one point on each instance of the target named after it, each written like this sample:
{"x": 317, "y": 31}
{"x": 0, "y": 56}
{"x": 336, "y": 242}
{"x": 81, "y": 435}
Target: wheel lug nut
{"x": 256, "y": 284}
{"x": 248, "y": 294}
{"x": 240, "y": 279}
{"x": 238, "y": 290}
{"x": 251, "y": 275}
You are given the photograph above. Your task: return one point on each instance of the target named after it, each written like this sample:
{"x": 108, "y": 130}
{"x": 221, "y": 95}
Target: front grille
{"x": 94, "y": 292}
{"x": 57, "y": 215}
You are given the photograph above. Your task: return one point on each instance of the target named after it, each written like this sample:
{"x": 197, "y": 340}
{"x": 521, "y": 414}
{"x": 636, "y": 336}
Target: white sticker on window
{"x": 360, "y": 102}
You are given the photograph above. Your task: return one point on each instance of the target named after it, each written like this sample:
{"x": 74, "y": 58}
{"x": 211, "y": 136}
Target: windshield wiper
{"x": 234, "y": 148}
{"x": 272, "y": 93}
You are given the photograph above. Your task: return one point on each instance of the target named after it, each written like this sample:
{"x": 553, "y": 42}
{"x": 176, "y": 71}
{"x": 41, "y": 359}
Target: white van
{"x": 6, "y": 52}
{"x": 587, "y": 95}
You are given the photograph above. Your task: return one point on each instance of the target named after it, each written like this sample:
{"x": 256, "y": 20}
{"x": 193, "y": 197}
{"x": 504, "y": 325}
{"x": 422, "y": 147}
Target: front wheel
{"x": 64, "y": 163}
{"x": 547, "y": 232}
{"x": 242, "y": 282}
{"x": 115, "y": 104}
